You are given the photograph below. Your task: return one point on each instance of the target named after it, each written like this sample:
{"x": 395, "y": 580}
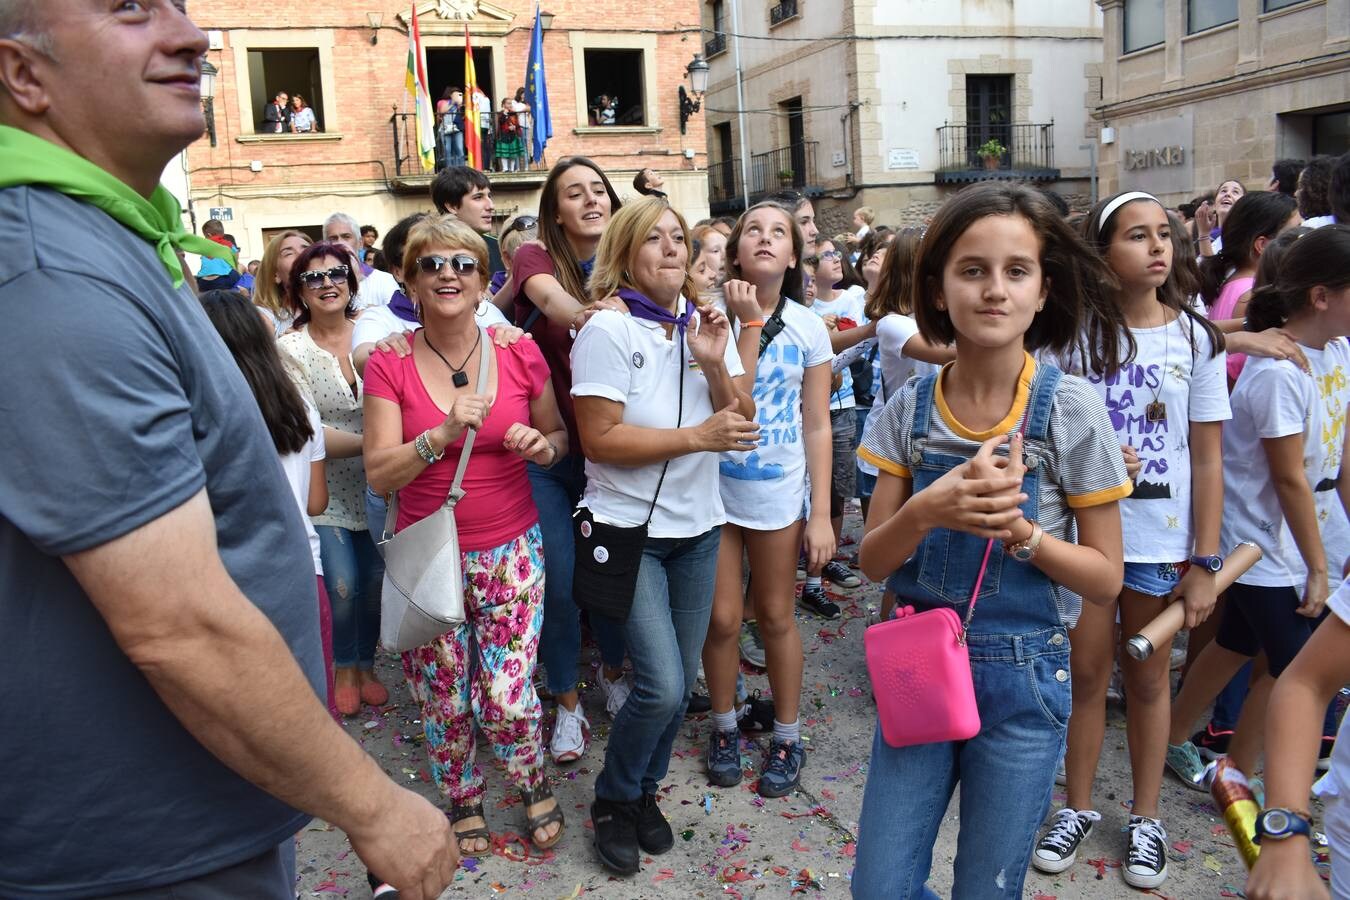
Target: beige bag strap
{"x": 456, "y": 492}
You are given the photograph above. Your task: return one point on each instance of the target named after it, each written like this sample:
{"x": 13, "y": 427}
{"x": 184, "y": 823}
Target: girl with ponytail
{"x": 1286, "y": 487}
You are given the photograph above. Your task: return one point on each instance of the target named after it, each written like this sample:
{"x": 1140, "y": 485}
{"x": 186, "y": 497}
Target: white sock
{"x": 813, "y": 581}
{"x": 787, "y": 734}
{"x": 724, "y": 721}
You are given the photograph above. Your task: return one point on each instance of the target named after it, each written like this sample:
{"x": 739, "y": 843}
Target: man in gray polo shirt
{"x": 157, "y": 598}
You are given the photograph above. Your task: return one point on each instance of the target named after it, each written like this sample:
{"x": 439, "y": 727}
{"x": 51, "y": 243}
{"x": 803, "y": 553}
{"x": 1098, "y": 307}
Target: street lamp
{"x": 698, "y": 82}
{"x": 375, "y": 19}
{"x": 545, "y": 19}
{"x": 208, "y": 92}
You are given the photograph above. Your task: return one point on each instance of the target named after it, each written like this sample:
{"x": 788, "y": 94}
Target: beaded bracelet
{"x": 422, "y": 445}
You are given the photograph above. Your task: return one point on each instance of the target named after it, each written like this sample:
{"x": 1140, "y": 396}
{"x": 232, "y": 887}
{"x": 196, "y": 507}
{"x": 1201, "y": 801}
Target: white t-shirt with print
{"x": 893, "y": 332}
{"x": 631, "y": 361}
{"x": 378, "y": 322}
{"x": 848, "y": 305}
{"x": 296, "y": 466}
{"x": 1156, "y": 519}
{"x": 765, "y": 488}
{"x": 1272, "y": 399}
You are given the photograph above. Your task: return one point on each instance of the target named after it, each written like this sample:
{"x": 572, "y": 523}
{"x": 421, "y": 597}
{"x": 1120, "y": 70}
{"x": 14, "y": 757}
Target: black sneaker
{"x": 1212, "y": 743}
{"x": 1058, "y": 850}
{"x": 616, "y": 835}
{"x": 723, "y": 760}
{"x": 813, "y": 599}
{"x": 837, "y": 574}
{"x": 698, "y": 704}
{"x": 757, "y": 714}
{"x": 782, "y": 770}
{"x": 1324, "y": 754}
{"x": 1145, "y": 864}
{"x": 653, "y": 831}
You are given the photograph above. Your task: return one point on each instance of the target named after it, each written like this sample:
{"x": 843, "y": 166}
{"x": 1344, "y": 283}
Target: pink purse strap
{"x": 988, "y": 549}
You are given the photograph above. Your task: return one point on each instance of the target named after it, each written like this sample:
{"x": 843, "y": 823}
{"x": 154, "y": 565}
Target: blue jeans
{"x": 556, "y": 491}
{"x": 376, "y": 507}
{"x": 665, "y": 632}
{"x": 453, "y": 147}
{"x": 353, "y": 574}
{"x": 1006, "y": 774}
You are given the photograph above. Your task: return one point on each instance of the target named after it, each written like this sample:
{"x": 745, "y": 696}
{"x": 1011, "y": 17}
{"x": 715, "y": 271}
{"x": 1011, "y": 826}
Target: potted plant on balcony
{"x": 785, "y": 178}
{"x": 991, "y": 151}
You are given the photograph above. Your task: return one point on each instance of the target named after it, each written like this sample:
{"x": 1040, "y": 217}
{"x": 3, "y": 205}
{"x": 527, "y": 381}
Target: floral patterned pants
{"x": 481, "y": 675}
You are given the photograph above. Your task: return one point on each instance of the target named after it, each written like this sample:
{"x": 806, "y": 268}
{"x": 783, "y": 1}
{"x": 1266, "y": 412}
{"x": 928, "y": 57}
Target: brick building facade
{"x": 348, "y": 59}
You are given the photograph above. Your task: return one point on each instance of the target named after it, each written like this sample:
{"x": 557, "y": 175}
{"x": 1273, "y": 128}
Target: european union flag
{"x": 536, "y": 92}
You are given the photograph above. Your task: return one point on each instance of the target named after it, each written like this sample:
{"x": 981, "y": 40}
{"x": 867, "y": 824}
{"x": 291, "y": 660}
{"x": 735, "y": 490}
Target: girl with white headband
{"x": 1167, "y": 404}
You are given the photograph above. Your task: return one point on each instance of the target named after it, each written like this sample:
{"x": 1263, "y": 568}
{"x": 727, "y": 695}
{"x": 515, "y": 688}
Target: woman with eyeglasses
{"x": 319, "y": 347}
{"x": 480, "y": 675}
{"x": 548, "y": 286}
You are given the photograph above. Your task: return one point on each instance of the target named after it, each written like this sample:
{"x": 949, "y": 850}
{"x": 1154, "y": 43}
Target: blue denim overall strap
{"x": 946, "y": 564}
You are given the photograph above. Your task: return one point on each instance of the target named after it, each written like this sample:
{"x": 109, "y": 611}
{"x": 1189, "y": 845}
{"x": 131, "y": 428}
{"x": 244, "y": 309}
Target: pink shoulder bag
{"x": 920, "y": 671}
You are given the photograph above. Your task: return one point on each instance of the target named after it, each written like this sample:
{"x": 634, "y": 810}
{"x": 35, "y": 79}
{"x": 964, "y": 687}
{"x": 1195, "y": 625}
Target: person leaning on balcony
{"x": 277, "y": 115}
{"x": 148, "y": 538}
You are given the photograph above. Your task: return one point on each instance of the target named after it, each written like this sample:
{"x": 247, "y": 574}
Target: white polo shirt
{"x": 630, "y": 361}
{"x": 375, "y": 289}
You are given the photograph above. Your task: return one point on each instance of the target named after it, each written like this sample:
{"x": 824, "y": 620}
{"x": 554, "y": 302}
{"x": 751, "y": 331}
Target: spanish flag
{"x": 473, "y": 136}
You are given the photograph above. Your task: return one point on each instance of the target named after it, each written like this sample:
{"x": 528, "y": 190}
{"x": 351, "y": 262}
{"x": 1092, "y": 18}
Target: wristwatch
{"x": 1025, "y": 551}
{"x": 1211, "y": 564}
{"x": 1278, "y": 824}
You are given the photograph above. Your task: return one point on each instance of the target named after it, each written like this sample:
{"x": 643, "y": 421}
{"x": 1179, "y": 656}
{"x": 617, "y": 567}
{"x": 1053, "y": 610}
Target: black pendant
{"x": 1156, "y": 412}
{"x": 460, "y": 379}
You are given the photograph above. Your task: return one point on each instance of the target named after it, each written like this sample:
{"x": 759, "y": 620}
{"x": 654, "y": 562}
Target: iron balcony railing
{"x": 404, "y": 128}
{"x": 782, "y": 11}
{"x": 786, "y": 168}
{"x": 715, "y": 45}
{"x": 1027, "y": 152}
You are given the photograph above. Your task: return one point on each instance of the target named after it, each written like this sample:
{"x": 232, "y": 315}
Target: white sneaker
{"x": 616, "y": 693}
{"x": 571, "y": 732}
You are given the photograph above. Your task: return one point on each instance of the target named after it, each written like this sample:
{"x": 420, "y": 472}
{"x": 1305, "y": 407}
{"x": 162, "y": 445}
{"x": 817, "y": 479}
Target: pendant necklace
{"x": 1156, "y": 412}
{"x": 458, "y": 379}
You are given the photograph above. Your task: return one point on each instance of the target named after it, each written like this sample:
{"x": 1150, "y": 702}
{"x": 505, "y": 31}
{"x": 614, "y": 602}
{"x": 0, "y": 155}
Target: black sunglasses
{"x": 523, "y": 223}
{"x": 314, "y": 279}
{"x": 460, "y": 263}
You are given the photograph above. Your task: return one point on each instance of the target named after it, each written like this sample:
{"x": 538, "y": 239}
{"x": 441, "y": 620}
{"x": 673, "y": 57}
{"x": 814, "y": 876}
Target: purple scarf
{"x": 643, "y": 308}
{"x": 401, "y": 306}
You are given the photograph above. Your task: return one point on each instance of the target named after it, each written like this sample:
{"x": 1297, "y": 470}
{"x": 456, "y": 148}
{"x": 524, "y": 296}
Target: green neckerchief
{"x": 28, "y": 159}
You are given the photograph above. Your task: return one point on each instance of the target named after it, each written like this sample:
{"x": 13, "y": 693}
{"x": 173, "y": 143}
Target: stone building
{"x": 888, "y": 104}
{"x": 1195, "y": 93}
{"x": 348, "y": 59}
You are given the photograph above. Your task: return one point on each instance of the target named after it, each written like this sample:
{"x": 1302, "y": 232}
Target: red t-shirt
{"x": 553, "y": 339}
{"x": 497, "y": 506}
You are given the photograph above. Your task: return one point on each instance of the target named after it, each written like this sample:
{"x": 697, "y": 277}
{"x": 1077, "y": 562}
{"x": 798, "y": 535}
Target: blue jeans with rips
{"x": 353, "y": 574}
{"x": 665, "y": 632}
{"x": 556, "y": 491}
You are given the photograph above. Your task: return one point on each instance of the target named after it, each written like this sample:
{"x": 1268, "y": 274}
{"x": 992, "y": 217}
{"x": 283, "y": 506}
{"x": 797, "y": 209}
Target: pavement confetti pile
{"x": 731, "y": 842}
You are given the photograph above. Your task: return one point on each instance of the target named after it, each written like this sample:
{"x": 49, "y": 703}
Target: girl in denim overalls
{"x": 999, "y": 273}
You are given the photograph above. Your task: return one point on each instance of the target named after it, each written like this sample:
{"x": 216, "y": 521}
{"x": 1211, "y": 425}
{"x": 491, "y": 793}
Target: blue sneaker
{"x": 724, "y": 757}
{"x": 782, "y": 770}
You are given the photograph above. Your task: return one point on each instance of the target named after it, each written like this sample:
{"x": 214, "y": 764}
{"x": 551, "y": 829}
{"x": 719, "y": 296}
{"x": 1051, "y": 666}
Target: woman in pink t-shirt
{"x": 417, "y": 410}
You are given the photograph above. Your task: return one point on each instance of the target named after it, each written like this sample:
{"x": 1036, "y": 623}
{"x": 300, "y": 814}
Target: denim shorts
{"x": 1154, "y": 579}
{"x": 866, "y": 483}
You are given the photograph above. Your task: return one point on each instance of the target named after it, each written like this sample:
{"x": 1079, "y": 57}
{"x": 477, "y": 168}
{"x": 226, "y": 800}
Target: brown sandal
{"x": 458, "y": 813}
{"x": 529, "y": 798}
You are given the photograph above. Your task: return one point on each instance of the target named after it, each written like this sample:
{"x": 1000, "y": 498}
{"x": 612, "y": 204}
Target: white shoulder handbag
{"x": 423, "y": 595}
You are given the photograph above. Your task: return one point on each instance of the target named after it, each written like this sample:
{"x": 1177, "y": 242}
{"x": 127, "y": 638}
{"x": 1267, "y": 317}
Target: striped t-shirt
{"x": 1080, "y": 461}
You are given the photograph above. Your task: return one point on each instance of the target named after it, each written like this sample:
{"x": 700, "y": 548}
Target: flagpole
{"x": 740, "y": 101}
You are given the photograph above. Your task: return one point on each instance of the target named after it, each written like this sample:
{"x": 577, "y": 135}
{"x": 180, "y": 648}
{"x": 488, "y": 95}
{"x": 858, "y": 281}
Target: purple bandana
{"x": 643, "y": 308}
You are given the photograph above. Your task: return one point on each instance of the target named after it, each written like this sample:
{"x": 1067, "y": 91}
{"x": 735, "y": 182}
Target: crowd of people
{"x": 1066, "y": 418}
{"x": 505, "y": 140}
